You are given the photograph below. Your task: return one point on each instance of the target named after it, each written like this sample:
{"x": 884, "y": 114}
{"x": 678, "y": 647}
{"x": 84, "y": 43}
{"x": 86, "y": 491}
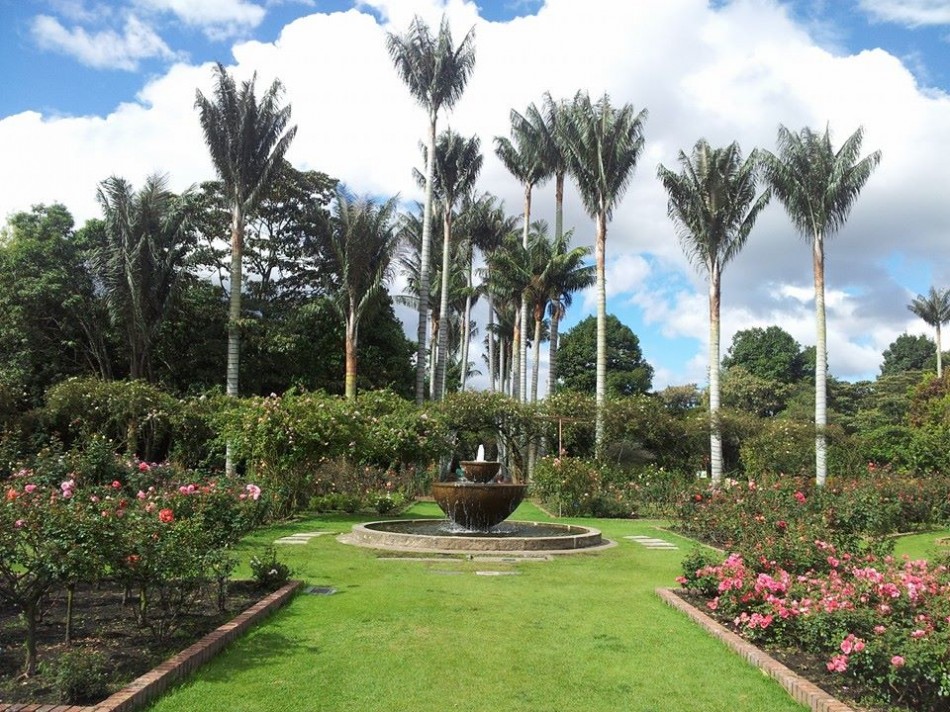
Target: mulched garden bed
{"x": 810, "y": 666}
{"x": 103, "y": 625}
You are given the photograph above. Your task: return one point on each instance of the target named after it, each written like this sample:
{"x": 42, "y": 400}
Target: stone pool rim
{"x": 576, "y": 539}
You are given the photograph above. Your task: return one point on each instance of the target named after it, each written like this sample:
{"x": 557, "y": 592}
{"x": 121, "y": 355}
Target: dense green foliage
{"x": 627, "y": 371}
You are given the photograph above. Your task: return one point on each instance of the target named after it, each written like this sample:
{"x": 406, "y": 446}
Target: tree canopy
{"x": 770, "y": 353}
{"x": 627, "y": 371}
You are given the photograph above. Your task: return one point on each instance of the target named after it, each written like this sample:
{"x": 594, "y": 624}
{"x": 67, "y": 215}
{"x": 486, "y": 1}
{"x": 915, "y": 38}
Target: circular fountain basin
{"x": 480, "y": 470}
{"x": 442, "y": 536}
{"x": 478, "y": 506}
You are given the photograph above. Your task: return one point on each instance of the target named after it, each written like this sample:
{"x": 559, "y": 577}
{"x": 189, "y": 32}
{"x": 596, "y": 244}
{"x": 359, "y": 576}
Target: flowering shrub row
{"x": 577, "y": 487}
{"x": 165, "y": 541}
{"x": 778, "y": 519}
{"x": 884, "y": 623}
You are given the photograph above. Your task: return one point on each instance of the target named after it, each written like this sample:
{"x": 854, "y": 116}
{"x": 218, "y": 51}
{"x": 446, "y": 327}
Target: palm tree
{"x": 436, "y": 73}
{"x": 553, "y": 152}
{"x": 565, "y": 273}
{"x": 247, "y": 140}
{"x": 511, "y": 268}
{"x": 602, "y": 145}
{"x": 363, "y": 241}
{"x": 713, "y": 204}
{"x": 458, "y": 161}
{"x": 147, "y": 239}
{"x": 818, "y": 186}
{"x": 524, "y": 159}
{"x": 934, "y": 309}
{"x": 487, "y": 225}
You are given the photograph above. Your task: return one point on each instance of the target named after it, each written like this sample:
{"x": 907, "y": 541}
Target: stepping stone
{"x": 652, "y": 542}
{"x": 301, "y": 538}
{"x": 496, "y": 573}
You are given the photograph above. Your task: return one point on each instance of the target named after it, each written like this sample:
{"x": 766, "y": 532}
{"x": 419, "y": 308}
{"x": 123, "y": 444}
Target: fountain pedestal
{"x": 479, "y": 503}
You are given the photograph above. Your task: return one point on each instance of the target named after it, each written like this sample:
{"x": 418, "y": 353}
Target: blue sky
{"x": 97, "y": 88}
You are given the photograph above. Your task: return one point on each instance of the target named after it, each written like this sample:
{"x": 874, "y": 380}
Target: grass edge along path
{"x": 583, "y": 632}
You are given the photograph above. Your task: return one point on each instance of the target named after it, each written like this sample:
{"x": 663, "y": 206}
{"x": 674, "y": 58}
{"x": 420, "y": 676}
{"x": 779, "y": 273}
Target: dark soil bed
{"x": 810, "y": 666}
{"x": 103, "y": 626}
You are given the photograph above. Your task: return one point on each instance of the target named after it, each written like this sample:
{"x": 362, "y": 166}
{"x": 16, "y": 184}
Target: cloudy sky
{"x": 94, "y": 88}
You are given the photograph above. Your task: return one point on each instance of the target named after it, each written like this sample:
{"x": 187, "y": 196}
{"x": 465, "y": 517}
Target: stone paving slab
{"x": 301, "y": 538}
{"x": 652, "y": 542}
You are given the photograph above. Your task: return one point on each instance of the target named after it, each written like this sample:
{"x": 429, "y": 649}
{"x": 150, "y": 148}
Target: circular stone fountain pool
{"x": 442, "y": 536}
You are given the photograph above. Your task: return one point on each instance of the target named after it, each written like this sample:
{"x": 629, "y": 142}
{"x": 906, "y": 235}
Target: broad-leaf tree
{"x": 934, "y": 309}
{"x": 907, "y": 353}
{"x": 771, "y": 353}
{"x": 436, "y": 72}
{"x": 714, "y": 206}
{"x": 818, "y": 187}
{"x": 628, "y": 373}
{"x": 602, "y": 144}
{"x": 363, "y": 241}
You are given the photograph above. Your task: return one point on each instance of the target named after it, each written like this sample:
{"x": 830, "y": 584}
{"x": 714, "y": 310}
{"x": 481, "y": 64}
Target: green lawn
{"x": 923, "y": 546}
{"x": 581, "y": 632}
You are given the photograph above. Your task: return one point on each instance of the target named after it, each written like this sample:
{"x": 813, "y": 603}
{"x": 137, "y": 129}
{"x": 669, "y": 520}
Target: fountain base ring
{"x": 436, "y": 536}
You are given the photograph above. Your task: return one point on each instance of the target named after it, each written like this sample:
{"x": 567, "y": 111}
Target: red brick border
{"x": 799, "y": 688}
{"x": 153, "y": 683}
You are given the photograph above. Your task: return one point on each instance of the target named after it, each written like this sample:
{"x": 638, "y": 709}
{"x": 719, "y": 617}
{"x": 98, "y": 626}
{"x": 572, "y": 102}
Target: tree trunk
{"x": 351, "y": 365}
{"x": 715, "y": 436}
{"x": 70, "y": 598}
{"x": 821, "y": 365}
{"x": 234, "y": 317}
{"x": 467, "y": 325}
{"x": 538, "y": 320}
{"x": 440, "y": 365}
{"x": 939, "y": 355}
{"x": 601, "y": 387}
{"x": 516, "y": 338}
{"x": 523, "y": 346}
{"x": 424, "y": 267}
{"x": 552, "y": 349}
{"x": 491, "y": 340}
{"x": 30, "y": 614}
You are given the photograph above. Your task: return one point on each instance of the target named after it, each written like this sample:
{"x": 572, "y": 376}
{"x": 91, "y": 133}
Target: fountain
{"x": 478, "y": 502}
{"x": 476, "y": 506}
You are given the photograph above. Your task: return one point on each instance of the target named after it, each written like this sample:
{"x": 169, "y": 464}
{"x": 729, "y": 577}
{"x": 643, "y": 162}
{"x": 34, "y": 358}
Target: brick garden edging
{"x": 799, "y": 688}
{"x": 147, "y": 687}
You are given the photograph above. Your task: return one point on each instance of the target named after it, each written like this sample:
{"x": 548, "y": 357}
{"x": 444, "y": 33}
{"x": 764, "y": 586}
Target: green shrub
{"x": 80, "y": 677}
{"x": 269, "y": 572}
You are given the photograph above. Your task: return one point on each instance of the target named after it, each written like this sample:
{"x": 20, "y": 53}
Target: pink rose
{"x": 897, "y": 661}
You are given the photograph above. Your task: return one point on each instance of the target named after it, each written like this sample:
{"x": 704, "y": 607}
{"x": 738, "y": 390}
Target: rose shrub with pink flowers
{"x": 809, "y": 568}
{"x": 167, "y": 542}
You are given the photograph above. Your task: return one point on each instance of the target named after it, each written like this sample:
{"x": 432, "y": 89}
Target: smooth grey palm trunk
{"x": 821, "y": 364}
{"x": 715, "y": 436}
{"x": 234, "y": 319}
{"x": 424, "y": 259}
{"x": 443, "y": 352}
{"x": 600, "y": 250}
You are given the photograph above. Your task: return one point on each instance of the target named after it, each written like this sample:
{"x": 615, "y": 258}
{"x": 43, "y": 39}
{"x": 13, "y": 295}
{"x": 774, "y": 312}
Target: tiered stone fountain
{"x": 477, "y": 507}
{"x": 478, "y": 502}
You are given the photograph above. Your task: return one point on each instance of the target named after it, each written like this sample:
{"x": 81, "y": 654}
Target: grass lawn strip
{"x": 585, "y": 632}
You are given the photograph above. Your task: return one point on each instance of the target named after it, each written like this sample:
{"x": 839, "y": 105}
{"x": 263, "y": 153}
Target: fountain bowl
{"x": 480, "y": 470}
{"x": 478, "y": 506}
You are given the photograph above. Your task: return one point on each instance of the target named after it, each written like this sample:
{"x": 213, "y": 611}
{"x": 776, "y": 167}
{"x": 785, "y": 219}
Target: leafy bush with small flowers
{"x": 885, "y": 623}
{"x": 163, "y": 540}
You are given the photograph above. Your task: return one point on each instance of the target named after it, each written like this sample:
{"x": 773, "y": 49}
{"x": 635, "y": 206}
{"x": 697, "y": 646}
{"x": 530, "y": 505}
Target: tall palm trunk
{"x": 552, "y": 349}
{"x": 600, "y": 249}
{"x": 467, "y": 324}
{"x": 443, "y": 354}
{"x": 523, "y": 343}
{"x": 821, "y": 364}
{"x": 538, "y": 321}
{"x": 491, "y": 340}
{"x": 715, "y": 435}
{"x": 424, "y": 258}
{"x": 939, "y": 355}
{"x": 234, "y": 317}
{"x": 352, "y": 336}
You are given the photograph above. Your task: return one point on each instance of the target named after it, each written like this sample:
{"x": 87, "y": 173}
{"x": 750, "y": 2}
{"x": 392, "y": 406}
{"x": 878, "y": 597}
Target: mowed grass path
{"x": 583, "y": 633}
